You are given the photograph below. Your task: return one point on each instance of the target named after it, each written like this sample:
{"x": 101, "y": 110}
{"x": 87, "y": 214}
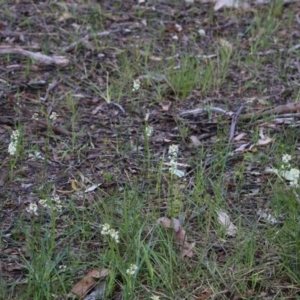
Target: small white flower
{"x": 177, "y": 172}
{"x": 56, "y": 200}
{"x": 132, "y": 269}
{"x": 54, "y": 206}
{"x": 155, "y": 297}
{"x": 43, "y": 202}
{"x": 114, "y": 235}
{"x": 63, "y": 268}
{"x": 15, "y": 134}
{"x": 201, "y": 32}
{"x": 35, "y": 116}
{"x": 12, "y": 147}
{"x": 178, "y": 27}
{"x": 291, "y": 175}
{"x": 105, "y": 229}
{"x": 58, "y": 208}
{"x": 286, "y": 158}
{"x": 173, "y": 151}
{"x": 148, "y": 130}
{"x": 53, "y": 116}
{"x": 136, "y": 85}
{"x": 32, "y": 209}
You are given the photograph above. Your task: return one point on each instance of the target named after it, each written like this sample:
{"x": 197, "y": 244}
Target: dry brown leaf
{"x": 264, "y": 141}
{"x": 205, "y": 294}
{"x": 73, "y": 183}
{"x": 92, "y": 188}
{"x": 188, "y": 249}
{"x": 242, "y": 147}
{"x": 155, "y": 58}
{"x": 225, "y": 222}
{"x": 166, "y": 105}
{"x": 12, "y": 266}
{"x": 168, "y": 223}
{"x": 195, "y": 141}
{"x": 240, "y": 136}
{"x": 82, "y": 287}
{"x": 65, "y": 16}
{"x": 180, "y": 236}
{"x": 96, "y": 274}
{"x": 96, "y": 109}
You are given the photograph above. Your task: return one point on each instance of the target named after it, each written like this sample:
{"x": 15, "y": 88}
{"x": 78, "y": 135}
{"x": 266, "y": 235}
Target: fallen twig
{"x": 86, "y": 38}
{"x": 280, "y": 109}
{"x": 234, "y": 122}
{"x": 41, "y": 58}
{"x": 198, "y": 111}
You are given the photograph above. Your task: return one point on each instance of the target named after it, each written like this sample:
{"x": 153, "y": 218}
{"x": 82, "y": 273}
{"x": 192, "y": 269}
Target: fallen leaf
{"x": 65, "y": 16}
{"x": 73, "y": 183}
{"x": 155, "y": 58}
{"x": 230, "y": 3}
{"x": 166, "y": 105}
{"x": 264, "y": 141}
{"x": 195, "y": 141}
{"x": 207, "y": 292}
{"x": 98, "y": 293}
{"x": 188, "y": 249}
{"x": 168, "y": 223}
{"x": 97, "y": 108}
{"x": 240, "y": 136}
{"x": 82, "y": 287}
{"x": 180, "y": 236}
{"x": 242, "y": 148}
{"x": 12, "y": 266}
{"x": 262, "y": 133}
{"x": 92, "y": 188}
{"x": 225, "y": 222}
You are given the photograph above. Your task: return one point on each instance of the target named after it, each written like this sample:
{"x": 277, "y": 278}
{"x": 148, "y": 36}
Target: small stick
{"x": 234, "y": 122}
{"x": 280, "y": 109}
{"x": 41, "y": 58}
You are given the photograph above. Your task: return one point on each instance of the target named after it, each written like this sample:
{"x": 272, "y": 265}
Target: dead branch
{"x": 86, "y": 38}
{"x": 280, "y": 109}
{"x": 198, "y": 111}
{"x": 41, "y": 58}
{"x": 234, "y": 120}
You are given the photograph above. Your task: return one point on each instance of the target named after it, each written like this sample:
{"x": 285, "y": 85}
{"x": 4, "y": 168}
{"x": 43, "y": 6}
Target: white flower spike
{"x": 132, "y": 269}
{"x": 136, "y": 85}
{"x": 14, "y": 139}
